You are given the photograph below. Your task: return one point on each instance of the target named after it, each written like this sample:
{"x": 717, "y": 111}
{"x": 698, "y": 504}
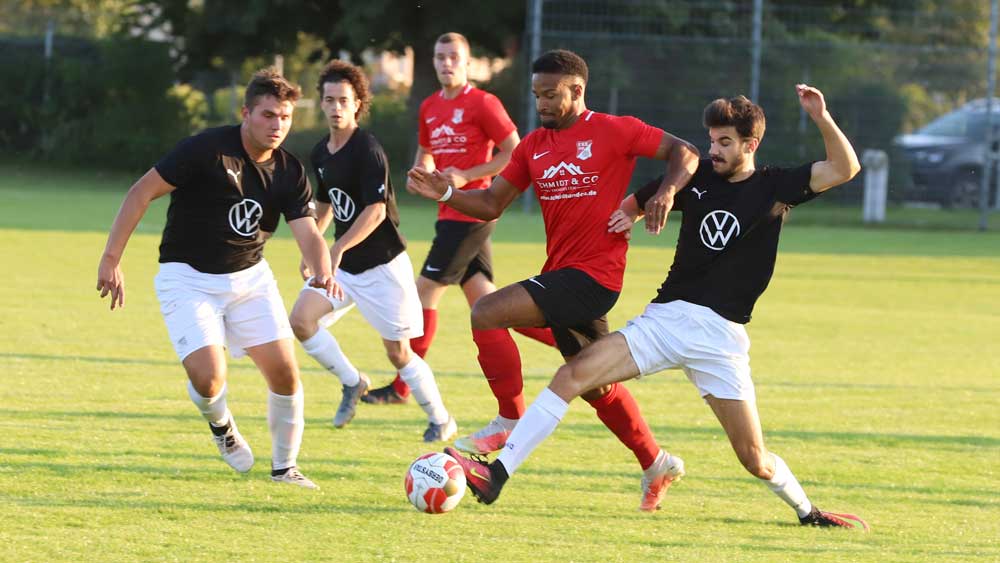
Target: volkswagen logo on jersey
{"x": 244, "y": 217}
{"x": 343, "y": 205}
{"x": 718, "y": 228}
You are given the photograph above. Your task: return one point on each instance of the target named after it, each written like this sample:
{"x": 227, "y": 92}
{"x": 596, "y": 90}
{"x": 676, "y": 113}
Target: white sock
{"x": 323, "y": 347}
{"x": 286, "y": 422}
{"x": 786, "y": 486}
{"x": 539, "y": 421}
{"x": 418, "y": 375}
{"x": 212, "y": 408}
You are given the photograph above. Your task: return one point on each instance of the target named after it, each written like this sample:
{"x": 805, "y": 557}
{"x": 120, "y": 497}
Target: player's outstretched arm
{"x": 682, "y": 163}
{"x": 314, "y": 253}
{"x": 109, "y": 274}
{"x": 841, "y": 162}
{"x": 485, "y": 204}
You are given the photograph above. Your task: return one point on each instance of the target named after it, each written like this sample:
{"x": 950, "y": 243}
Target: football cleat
{"x": 833, "y": 520}
{"x": 349, "y": 401}
{"x": 491, "y": 438}
{"x": 234, "y": 449}
{"x": 666, "y": 470}
{"x": 384, "y": 396}
{"x": 480, "y": 477}
{"x": 294, "y": 477}
{"x": 441, "y": 432}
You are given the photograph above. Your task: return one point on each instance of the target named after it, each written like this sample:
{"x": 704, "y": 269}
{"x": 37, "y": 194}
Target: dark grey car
{"x": 946, "y": 157}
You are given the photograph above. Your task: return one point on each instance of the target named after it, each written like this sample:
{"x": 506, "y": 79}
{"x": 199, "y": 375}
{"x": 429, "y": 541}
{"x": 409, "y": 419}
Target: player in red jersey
{"x": 580, "y": 163}
{"x": 460, "y": 126}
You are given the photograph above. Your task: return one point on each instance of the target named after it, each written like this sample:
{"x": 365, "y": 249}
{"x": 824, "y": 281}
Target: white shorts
{"x": 237, "y": 310}
{"x": 712, "y": 351}
{"x": 386, "y": 295}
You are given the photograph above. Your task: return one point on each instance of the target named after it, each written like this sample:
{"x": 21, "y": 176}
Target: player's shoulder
{"x": 367, "y": 142}
{"x": 214, "y": 139}
{"x": 290, "y": 161}
{"x": 319, "y": 150}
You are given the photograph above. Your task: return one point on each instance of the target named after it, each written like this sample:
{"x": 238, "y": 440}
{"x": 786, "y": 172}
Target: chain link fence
{"x": 899, "y": 76}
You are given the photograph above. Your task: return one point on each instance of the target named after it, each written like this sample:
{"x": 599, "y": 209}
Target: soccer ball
{"x": 435, "y": 483}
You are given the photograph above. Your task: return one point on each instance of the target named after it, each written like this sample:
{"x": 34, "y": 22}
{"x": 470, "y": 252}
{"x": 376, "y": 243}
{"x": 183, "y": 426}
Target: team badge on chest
{"x": 456, "y": 118}
{"x": 583, "y": 149}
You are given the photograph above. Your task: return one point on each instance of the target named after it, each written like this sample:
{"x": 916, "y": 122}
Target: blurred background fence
{"x": 115, "y": 83}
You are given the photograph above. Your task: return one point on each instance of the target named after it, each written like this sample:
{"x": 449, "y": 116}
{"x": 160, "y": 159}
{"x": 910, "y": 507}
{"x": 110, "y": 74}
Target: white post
{"x": 876, "y": 166}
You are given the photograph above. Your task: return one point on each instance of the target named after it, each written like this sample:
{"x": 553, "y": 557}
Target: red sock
{"x": 501, "y": 363}
{"x": 420, "y": 346}
{"x": 543, "y": 335}
{"x": 620, "y": 413}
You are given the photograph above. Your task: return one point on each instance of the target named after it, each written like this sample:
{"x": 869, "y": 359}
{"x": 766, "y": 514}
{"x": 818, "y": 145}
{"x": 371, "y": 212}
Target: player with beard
{"x": 369, "y": 256}
{"x": 459, "y": 126}
{"x": 580, "y": 163}
{"x": 227, "y": 187}
{"x": 726, "y": 251}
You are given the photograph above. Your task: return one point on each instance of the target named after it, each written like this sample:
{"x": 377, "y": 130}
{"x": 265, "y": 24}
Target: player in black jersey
{"x": 227, "y": 187}
{"x": 732, "y": 216}
{"x": 355, "y": 191}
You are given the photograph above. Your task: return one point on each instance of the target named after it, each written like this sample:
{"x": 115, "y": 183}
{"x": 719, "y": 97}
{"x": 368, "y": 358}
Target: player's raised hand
{"x": 431, "y": 185}
{"x": 329, "y": 283}
{"x": 657, "y": 208}
{"x": 111, "y": 280}
{"x": 811, "y": 100}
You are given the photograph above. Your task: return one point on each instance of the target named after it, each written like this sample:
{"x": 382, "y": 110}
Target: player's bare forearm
{"x": 485, "y": 204}
{"x": 423, "y": 159}
{"x": 841, "y": 162}
{"x": 500, "y": 160}
{"x": 366, "y": 223}
{"x": 324, "y": 216}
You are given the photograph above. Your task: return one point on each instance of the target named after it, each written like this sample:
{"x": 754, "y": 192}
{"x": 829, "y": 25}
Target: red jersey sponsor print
{"x": 580, "y": 176}
{"x": 462, "y": 132}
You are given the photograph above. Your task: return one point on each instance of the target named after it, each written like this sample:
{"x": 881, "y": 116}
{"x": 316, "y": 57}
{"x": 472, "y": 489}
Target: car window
{"x": 954, "y": 124}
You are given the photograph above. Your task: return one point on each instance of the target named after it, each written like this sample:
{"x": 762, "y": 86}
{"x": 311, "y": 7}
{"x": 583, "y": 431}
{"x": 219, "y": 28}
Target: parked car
{"x": 947, "y": 156}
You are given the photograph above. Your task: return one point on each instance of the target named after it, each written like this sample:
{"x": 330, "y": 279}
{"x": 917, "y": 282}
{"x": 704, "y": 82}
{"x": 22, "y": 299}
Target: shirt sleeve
{"x": 321, "y": 194}
{"x": 300, "y": 201}
{"x": 181, "y": 165}
{"x": 643, "y": 194}
{"x": 516, "y": 172}
{"x": 792, "y": 185}
{"x": 495, "y": 122}
{"x": 639, "y": 138}
{"x": 374, "y": 175}
{"x": 423, "y": 132}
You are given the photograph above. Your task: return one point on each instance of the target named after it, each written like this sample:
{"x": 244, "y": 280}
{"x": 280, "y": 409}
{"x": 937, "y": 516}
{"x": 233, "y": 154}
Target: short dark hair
{"x": 343, "y": 71}
{"x": 453, "y": 37}
{"x": 561, "y": 61}
{"x": 269, "y": 82}
{"x": 739, "y": 112}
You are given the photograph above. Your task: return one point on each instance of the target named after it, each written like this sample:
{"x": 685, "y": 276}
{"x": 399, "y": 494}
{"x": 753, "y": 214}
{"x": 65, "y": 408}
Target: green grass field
{"x": 874, "y": 354}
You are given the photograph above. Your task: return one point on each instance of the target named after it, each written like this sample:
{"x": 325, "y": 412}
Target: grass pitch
{"x": 874, "y": 354}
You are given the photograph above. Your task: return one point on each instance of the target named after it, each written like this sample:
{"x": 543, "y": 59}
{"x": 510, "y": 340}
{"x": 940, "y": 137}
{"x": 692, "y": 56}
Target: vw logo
{"x": 244, "y": 217}
{"x": 718, "y": 228}
{"x": 343, "y": 205}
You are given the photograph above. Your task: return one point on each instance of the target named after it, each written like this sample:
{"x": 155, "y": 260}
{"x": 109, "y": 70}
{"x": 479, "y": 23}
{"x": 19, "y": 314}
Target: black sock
{"x": 279, "y": 472}
{"x": 498, "y": 473}
{"x": 219, "y": 430}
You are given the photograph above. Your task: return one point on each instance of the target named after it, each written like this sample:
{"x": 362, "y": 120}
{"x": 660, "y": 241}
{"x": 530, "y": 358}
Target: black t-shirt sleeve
{"x": 374, "y": 175}
{"x": 643, "y": 194}
{"x": 299, "y": 203}
{"x": 792, "y": 184}
{"x": 181, "y": 165}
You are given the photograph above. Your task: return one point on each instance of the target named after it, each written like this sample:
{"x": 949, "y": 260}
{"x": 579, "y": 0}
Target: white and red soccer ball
{"x": 435, "y": 483}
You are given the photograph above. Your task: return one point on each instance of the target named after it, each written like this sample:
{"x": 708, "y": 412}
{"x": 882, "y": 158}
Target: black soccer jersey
{"x": 728, "y": 240}
{"x": 224, "y": 202}
{"x": 351, "y": 179}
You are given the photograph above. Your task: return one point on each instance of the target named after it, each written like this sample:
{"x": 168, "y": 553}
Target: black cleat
{"x": 833, "y": 520}
{"x": 384, "y": 396}
{"x": 484, "y": 480}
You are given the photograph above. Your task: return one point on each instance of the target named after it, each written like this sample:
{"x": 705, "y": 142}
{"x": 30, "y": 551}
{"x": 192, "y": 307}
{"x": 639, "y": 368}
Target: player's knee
{"x": 481, "y": 316}
{"x": 398, "y": 354}
{"x": 568, "y": 381}
{"x": 755, "y": 462}
{"x": 303, "y": 328}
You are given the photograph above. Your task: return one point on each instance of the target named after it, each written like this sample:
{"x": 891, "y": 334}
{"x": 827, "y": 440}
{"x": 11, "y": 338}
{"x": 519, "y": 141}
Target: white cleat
{"x": 490, "y": 438}
{"x": 294, "y": 477}
{"x": 234, "y": 449}
{"x": 666, "y": 470}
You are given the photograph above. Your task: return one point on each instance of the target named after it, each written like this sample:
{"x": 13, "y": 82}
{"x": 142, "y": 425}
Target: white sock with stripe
{"x": 539, "y": 421}
{"x": 323, "y": 348}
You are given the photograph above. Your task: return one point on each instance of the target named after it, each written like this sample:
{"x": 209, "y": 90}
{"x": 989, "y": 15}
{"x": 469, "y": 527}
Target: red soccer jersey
{"x": 580, "y": 176}
{"x": 462, "y": 133}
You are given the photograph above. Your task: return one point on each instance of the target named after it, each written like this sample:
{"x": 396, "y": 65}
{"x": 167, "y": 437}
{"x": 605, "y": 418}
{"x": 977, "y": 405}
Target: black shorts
{"x": 460, "y": 250}
{"x": 575, "y": 306}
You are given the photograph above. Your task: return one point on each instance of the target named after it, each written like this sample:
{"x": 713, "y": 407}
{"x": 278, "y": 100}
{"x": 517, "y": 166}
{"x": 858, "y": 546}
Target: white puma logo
{"x": 699, "y": 193}
{"x": 235, "y": 175}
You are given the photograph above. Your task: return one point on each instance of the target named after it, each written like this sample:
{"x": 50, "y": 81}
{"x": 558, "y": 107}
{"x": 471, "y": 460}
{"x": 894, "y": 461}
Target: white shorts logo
{"x": 343, "y": 205}
{"x": 244, "y": 217}
{"x": 718, "y": 228}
